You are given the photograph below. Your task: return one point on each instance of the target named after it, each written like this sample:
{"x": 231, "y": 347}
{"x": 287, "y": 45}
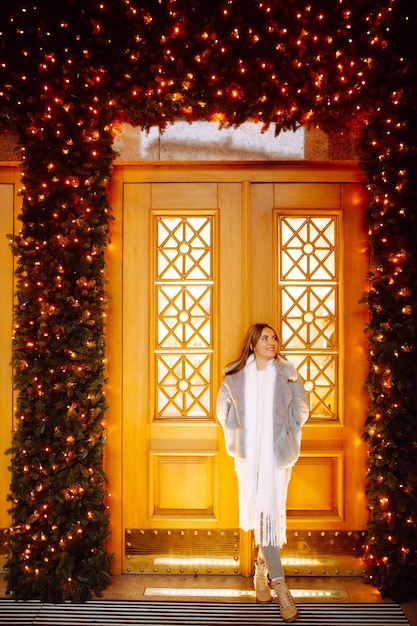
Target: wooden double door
{"x": 198, "y": 253}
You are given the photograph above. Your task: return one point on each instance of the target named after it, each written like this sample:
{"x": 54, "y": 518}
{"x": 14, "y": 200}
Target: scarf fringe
{"x": 269, "y": 532}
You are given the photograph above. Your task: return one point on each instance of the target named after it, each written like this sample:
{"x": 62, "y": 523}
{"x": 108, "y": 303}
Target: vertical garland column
{"x": 391, "y": 425}
{"x": 60, "y": 517}
{"x": 389, "y": 155}
{"x": 388, "y": 150}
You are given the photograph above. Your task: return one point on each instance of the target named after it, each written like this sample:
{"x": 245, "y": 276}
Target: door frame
{"x": 347, "y": 174}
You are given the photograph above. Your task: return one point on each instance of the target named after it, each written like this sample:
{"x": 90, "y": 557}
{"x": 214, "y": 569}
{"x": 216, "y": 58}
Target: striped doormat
{"x": 144, "y": 613}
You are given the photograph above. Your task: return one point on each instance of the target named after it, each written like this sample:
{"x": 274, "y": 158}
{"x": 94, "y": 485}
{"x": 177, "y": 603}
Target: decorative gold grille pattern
{"x": 308, "y": 299}
{"x": 183, "y": 300}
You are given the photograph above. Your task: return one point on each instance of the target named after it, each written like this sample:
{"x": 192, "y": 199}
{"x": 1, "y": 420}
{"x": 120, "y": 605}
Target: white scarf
{"x": 262, "y": 487}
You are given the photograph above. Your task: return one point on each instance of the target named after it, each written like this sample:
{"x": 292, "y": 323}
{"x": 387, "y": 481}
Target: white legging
{"x": 272, "y": 557}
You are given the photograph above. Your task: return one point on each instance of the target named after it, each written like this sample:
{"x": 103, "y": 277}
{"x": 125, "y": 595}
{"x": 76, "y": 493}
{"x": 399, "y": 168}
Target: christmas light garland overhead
{"x": 71, "y": 70}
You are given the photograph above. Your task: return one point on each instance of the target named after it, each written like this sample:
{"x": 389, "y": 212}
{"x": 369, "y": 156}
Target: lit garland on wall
{"x": 60, "y": 518}
{"x": 58, "y": 495}
{"x": 68, "y": 70}
{"x": 389, "y": 153}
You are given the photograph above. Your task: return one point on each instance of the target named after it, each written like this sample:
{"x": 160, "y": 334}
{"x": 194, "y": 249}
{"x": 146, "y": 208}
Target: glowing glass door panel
{"x": 184, "y": 282}
{"x": 308, "y": 297}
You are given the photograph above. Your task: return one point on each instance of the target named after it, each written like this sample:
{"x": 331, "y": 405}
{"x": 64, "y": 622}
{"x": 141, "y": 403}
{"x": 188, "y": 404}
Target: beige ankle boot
{"x": 289, "y": 611}
{"x": 261, "y": 583}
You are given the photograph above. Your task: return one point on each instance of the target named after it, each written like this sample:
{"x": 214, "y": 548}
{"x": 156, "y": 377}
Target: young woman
{"x": 261, "y": 406}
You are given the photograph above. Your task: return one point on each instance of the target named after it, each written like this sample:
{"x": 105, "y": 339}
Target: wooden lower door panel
{"x": 315, "y": 488}
{"x": 183, "y": 484}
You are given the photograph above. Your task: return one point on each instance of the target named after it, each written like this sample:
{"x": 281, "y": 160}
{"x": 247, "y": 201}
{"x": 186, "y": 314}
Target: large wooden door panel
{"x": 318, "y": 292}
{"x": 171, "y": 437}
{"x": 202, "y": 259}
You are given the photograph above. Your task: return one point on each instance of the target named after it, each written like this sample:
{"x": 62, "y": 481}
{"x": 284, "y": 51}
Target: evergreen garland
{"x": 58, "y": 494}
{"x": 59, "y": 514}
{"x": 71, "y": 69}
{"x": 389, "y": 157}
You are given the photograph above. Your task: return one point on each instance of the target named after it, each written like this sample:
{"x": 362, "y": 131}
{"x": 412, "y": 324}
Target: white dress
{"x": 262, "y": 486}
